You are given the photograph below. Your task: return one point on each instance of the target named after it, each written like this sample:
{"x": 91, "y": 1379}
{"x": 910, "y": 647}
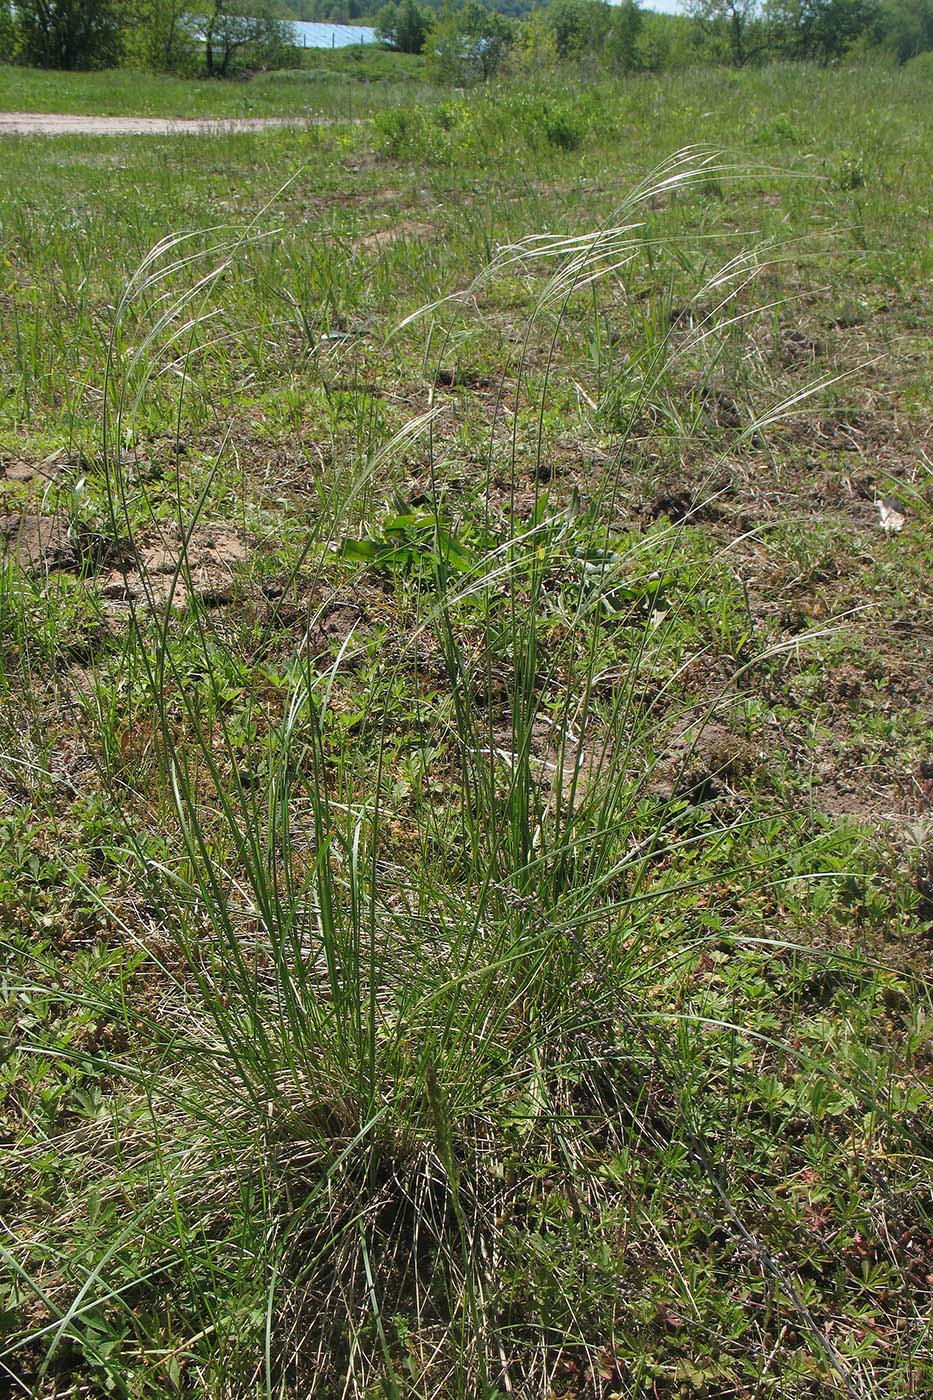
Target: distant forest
{"x": 461, "y": 41}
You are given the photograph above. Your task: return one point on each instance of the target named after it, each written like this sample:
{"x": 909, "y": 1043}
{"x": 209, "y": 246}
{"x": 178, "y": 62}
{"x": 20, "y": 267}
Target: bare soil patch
{"x": 19, "y": 471}
{"x": 38, "y": 543}
{"x": 158, "y": 576}
{"x": 409, "y": 229}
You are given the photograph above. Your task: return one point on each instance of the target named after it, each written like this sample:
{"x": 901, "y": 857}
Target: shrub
{"x": 411, "y": 133}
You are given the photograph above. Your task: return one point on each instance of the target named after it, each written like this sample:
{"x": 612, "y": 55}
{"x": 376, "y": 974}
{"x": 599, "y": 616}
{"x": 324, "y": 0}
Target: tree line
{"x": 464, "y": 40}
{"x": 470, "y": 40}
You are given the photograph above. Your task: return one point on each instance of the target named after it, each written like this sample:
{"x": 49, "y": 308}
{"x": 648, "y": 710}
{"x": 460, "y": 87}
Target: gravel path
{"x": 51, "y": 124}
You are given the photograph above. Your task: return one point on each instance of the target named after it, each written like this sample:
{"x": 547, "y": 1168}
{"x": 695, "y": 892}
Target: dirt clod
{"x": 409, "y": 229}
{"x": 38, "y": 543}
{"x": 165, "y": 573}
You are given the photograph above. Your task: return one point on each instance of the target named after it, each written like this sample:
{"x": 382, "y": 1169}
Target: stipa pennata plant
{"x": 412, "y": 1030}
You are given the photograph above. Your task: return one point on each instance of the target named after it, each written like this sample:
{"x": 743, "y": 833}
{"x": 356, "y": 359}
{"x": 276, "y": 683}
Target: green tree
{"x": 624, "y": 32}
{"x": 906, "y": 27}
{"x": 404, "y": 27}
{"x": 159, "y": 37}
{"x": 67, "y": 33}
{"x": 579, "y": 26}
{"x": 386, "y": 25}
{"x": 833, "y": 26}
{"x": 6, "y": 33}
{"x": 665, "y": 41}
{"x": 535, "y": 48}
{"x": 730, "y": 27}
{"x": 471, "y": 43}
{"x": 239, "y": 31}
{"x": 820, "y": 30}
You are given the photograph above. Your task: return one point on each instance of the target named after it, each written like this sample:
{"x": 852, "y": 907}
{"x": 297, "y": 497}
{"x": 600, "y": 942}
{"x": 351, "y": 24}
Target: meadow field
{"x": 466, "y": 740}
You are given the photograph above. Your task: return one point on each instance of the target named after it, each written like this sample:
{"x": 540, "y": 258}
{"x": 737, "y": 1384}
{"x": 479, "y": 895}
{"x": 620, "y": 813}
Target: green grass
{"x": 465, "y": 870}
{"x": 319, "y": 86}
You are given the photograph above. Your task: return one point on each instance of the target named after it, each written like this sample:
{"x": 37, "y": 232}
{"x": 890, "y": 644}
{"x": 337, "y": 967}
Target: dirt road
{"x": 51, "y": 124}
